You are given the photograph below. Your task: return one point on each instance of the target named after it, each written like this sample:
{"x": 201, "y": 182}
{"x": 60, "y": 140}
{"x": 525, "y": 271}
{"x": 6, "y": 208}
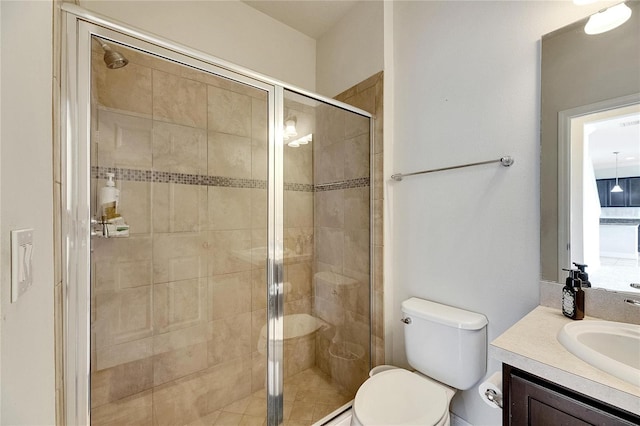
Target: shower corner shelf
{"x": 109, "y": 228}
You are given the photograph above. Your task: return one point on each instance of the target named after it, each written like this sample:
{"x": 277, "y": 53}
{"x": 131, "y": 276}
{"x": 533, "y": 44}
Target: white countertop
{"x": 531, "y": 345}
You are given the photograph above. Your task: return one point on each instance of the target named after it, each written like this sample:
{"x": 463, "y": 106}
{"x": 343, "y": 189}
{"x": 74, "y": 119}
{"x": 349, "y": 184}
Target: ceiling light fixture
{"x": 302, "y": 141}
{"x": 290, "y": 128}
{"x": 617, "y": 187}
{"x": 608, "y": 19}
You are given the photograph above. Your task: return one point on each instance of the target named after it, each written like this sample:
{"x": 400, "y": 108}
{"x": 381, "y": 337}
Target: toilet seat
{"x": 400, "y": 397}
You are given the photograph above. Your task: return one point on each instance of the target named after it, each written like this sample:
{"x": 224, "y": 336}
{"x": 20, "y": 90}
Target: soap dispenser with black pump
{"x": 573, "y": 296}
{"x": 584, "y": 277}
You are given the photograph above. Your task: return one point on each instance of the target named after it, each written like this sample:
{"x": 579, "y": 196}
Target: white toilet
{"x": 448, "y": 348}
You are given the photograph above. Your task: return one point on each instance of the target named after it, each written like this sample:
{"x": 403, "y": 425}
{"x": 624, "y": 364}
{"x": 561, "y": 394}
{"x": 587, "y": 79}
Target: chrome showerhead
{"x": 112, "y": 58}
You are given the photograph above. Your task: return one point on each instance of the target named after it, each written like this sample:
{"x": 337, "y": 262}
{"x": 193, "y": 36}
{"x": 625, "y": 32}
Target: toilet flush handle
{"x": 406, "y": 320}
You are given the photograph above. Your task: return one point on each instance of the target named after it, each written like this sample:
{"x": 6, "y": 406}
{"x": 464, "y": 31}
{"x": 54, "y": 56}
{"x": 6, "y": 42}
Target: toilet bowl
{"x": 447, "y": 346}
{"x": 401, "y": 397}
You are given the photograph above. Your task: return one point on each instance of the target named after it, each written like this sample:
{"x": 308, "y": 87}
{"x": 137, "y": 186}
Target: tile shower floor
{"x": 308, "y": 397}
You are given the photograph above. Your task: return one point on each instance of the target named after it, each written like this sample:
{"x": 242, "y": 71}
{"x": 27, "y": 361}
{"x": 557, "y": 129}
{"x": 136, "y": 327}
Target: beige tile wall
{"x": 343, "y": 238}
{"x": 368, "y": 95}
{"x": 299, "y": 352}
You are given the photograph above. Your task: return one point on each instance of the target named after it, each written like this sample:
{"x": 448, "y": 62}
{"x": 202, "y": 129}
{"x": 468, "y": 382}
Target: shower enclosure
{"x": 232, "y": 282}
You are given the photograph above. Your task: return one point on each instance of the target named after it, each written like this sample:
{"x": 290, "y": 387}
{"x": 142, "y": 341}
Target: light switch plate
{"x": 21, "y": 262}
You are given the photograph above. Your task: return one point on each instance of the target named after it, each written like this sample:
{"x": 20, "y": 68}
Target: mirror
{"x": 590, "y": 83}
{"x": 599, "y": 175}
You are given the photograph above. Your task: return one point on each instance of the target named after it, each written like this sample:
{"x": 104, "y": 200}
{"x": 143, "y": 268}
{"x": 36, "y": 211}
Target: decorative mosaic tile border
{"x": 191, "y": 179}
{"x": 170, "y": 177}
{"x": 302, "y": 187}
{"x": 345, "y": 184}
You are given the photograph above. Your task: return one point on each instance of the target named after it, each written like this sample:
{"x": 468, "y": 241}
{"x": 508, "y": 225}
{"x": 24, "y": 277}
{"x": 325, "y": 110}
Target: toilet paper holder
{"x": 491, "y": 390}
{"x": 494, "y": 397}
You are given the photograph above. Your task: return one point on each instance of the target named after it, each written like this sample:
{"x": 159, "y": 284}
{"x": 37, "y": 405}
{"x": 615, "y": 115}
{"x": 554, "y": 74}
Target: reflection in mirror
{"x": 589, "y": 96}
{"x": 602, "y": 221}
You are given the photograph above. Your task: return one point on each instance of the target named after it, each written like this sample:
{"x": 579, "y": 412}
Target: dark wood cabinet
{"x": 532, "y": 401}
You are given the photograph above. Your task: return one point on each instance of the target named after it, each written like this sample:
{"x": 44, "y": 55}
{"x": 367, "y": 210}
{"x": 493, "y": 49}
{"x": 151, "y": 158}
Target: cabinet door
{"x": 617, "y": 199}
{"x": 603, "y": 192}
{"x": 533, "y": 403}
{"x": 633, "y": 184}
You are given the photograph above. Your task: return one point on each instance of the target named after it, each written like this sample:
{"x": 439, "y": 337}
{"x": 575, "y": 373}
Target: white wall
{"x": 230, "y": 30}
{"x": 352, "y": 50}
{"x": 27, "y": 342}
{"x": 591, "y": 216}
{"x": 467, "y": 88}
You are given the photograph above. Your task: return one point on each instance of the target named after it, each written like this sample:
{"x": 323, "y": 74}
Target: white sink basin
{"x": 613, "y": 347}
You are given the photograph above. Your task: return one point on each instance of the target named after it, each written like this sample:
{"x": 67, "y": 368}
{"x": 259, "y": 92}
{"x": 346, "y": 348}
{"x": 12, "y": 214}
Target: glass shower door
{"x": 327, "y": 264}
{"x": 178, "y": 266}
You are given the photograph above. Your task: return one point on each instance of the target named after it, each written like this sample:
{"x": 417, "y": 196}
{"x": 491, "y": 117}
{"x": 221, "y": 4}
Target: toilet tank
{"x": 445, "y": 343}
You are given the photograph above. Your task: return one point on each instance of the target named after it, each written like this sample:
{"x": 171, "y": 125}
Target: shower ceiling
{"x": 312, "y": 18}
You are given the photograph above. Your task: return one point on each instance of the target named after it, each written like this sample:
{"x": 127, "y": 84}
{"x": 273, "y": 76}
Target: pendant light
{"x": 617, "y": 187}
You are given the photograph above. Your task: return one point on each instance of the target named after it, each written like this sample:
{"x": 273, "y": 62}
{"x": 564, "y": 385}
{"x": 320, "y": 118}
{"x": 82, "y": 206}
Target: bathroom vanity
{"x": 530, "y": 400}
{"x": 544, "y": 384}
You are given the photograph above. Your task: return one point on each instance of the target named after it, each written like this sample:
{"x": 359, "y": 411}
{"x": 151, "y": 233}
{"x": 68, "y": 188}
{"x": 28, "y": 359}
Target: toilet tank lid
{"x": 443, "y": 314}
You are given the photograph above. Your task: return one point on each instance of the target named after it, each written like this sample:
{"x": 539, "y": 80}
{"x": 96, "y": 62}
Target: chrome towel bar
{"x": 505, "y": 161}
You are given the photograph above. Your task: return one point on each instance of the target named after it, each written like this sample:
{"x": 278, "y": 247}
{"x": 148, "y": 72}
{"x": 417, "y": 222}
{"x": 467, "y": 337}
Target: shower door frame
{"x": 78, "y": 27}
